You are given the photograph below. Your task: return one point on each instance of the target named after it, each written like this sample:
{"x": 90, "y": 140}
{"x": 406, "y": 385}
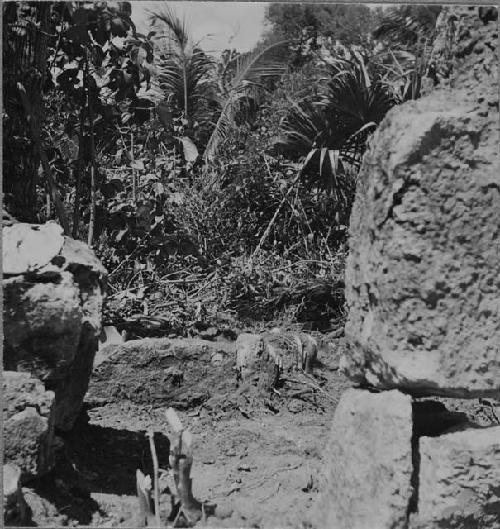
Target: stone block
{"x": 28, "y": 422}
{"x": 422, "y": 275}
{"x": 368, "y": 462}
{"x": 42, "y": 325}
{"x": 161, "y": 371}
{"x": 459, "y": 480}
{"x": 28, "y": 247}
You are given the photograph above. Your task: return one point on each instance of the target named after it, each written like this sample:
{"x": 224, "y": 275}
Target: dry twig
{"x": 156, "y": 478}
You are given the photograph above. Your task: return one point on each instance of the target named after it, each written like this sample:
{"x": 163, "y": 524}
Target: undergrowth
{"x": 246, "y": 235}
{"x": 252, "y": 251}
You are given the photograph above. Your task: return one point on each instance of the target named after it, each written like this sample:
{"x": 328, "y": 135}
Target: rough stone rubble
{"x": 53, "y": 290}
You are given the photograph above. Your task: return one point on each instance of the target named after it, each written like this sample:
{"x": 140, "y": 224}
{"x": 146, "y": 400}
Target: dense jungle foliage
{"x": 207, "y": 185}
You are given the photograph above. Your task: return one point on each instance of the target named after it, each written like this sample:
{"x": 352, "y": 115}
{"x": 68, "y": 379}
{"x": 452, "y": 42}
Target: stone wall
{"x": 53, "y": 290}
{"x": 423, "y": 292}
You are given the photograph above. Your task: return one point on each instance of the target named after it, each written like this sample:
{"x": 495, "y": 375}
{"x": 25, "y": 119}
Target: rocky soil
{"x": 257, "y": 453}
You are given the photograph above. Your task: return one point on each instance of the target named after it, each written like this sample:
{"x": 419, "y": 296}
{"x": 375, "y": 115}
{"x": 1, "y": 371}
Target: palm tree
{"x": 183, "y": 67}
{"x": 184, "y": 76}
{"x": 330, "y": 134}
{"x": 248, "y": 83}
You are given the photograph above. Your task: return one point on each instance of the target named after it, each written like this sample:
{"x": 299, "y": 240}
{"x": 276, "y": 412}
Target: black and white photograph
{"x": 250, "y": 265}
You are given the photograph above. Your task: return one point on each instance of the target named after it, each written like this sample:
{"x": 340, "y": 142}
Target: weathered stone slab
{"x": 368, "y": 462}
{"x": 42, "y": 325}
{"x": 28, "y": 424}
{"x": 459, "y": 480}
{"x": 161, "y": 371}
{"x": 28, "y": 247}
{"x": 422, "y": 276}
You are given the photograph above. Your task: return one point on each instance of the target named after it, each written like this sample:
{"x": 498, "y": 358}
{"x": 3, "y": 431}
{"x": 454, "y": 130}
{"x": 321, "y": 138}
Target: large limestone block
{"x": 29, "y": 247}
{"x": 459, "y": 480}
{"x": 423, "y": 273}
{"x": 53, "y": 296}
{"x": 161, "y": 371}
{"x": 28, "y": 424}
{"x": 42, "y": 325}
{"x": 368, "y": 462}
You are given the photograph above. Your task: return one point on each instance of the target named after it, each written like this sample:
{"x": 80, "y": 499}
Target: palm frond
{"x": 408, "y": 23}
{"x": 355, "y": 99}
{"x": 223, "y": 125}
{"x": 177, "y": 29}
{"x": 183, "y": 68}
{"x": 304, "y": 127}
{"x": 329, "y": 169}
{"x": 264, "y": 61}
{"x": 251, "y": 70}
{"x": 192, "y": 71}
{"x": 331, "y": 133}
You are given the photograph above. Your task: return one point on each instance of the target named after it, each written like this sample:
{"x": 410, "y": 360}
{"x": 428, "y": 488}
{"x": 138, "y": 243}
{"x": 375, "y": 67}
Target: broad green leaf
{"x": 158, "y": 189}
{"x": 121, "y": 234}
{"x": 69, "y": 147}
{"x": 138, "y": 165}
{"x": 190, "y": 150}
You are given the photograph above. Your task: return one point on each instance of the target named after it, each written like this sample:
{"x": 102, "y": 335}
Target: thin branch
{"x": 156, "y": 479}
{"x": 93, "y": 183}
{"x": 265, "y": 235}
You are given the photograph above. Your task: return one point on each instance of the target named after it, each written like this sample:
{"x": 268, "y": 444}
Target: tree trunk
{"x": 80, "y": 168}
{"x": 50, "y": 183}
{"x": 25, "y": 41}
{"x": 93, "y": 185}
{"x": 132, "y": 159}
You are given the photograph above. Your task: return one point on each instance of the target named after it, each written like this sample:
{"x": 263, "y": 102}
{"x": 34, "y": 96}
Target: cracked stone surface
{"x": 52, "y": 314}
{"x": 459, "y": 480}
{"x": 28, "y": 424}
{"x": 423, "y": 272}
{"x": 368, "y": 462}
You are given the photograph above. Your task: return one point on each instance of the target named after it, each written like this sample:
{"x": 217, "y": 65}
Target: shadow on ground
{"x": 107, "y": 459}
{"x": 94, "y": 459}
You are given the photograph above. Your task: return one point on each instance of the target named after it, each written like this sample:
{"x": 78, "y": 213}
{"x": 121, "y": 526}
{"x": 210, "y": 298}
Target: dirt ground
{"x": 257, "y": 453}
